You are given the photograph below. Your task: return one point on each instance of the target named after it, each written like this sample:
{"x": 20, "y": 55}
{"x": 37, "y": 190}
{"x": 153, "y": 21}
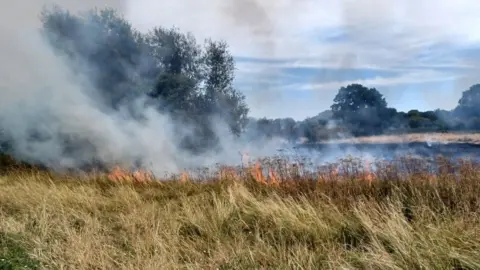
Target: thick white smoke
{"x": 40, "y": 91}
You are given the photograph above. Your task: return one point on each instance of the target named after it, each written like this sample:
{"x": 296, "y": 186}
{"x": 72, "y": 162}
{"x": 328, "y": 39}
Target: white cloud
{"x": 415, "y": 37}
{"x": 291, "y": 24}
{"x": 420, "y": 76}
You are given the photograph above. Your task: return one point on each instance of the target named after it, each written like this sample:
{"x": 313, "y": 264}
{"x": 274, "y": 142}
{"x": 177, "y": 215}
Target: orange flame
{"x": 335, "y": 171}
{"x": 117, "y": 175}
{"x": 369, "y": 176}
{"x": 228, "y": 173}
{"x": 257, "y": 173}
{"x": 139, "y": 176}
{"x": 142, "y": 176}
{"x": 273, "y": 177}
{"x": 432, "y": 179}
{"x": 184, "y": 178}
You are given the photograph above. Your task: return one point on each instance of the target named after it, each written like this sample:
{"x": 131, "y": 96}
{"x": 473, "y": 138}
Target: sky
{"x": 292, "y": 56}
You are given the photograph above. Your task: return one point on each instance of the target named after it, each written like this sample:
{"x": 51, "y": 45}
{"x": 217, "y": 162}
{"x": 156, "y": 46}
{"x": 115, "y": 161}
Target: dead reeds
{"x": 408, "y": 213}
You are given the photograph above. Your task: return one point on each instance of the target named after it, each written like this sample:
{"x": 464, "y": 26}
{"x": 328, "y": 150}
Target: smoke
{"x": 41, "y": 93}
{"x": 260, "y": 21}
{"x": 44, "y": 104}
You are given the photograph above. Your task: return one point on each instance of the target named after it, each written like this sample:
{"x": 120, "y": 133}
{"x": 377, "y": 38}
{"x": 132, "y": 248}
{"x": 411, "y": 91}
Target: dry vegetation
{"x": 473, "y": 138}
{"x": 406, "y": 214}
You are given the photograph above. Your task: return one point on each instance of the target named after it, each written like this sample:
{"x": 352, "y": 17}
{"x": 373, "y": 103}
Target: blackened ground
{"x": 389, "y": 150}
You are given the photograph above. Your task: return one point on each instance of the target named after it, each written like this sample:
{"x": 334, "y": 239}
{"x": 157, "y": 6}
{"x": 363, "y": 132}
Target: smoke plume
{"x": 44, "y": 103}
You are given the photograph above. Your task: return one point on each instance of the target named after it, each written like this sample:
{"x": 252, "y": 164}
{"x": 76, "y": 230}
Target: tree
{"x": 363, "y": 110}
{"x": 220, "y": 95}
{"x": 174, "y": 93}
{"x": 469, "y": 103}
{"x": 197, "y": 84}
{"x": 178, "y": 66}
{"x": 288, "y": 128}
{"x": 175, "y": 52}
{"x": 431, "y": 115}
{"x": 190, "y": 82}
{"x": 103, "y": 46}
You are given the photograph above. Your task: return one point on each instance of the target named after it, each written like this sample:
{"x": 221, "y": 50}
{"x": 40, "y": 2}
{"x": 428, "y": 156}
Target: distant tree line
{"x": 361, "y": 111}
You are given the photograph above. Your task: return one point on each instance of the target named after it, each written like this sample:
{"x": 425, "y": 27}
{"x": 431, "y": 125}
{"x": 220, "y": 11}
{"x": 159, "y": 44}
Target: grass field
{"x": 402, "y": 216}
{"x": 473, "y": 138}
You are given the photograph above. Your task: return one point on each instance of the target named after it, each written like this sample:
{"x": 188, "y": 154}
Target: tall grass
{"x": 404, "y": 214}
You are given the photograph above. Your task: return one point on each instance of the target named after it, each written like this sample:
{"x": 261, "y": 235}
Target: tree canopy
{"x": 469, "y": 102}
{"x": 191, "y": 81}
{"x": 361, "y": 108}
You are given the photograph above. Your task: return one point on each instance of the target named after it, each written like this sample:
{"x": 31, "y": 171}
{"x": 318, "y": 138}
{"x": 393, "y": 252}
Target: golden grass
{"x": 472, "y": 138}
{"x": 399, "y": 217}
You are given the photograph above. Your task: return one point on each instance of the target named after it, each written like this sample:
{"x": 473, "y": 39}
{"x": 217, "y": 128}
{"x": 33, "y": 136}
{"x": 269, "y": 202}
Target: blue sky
{"x": 293, "y": 55}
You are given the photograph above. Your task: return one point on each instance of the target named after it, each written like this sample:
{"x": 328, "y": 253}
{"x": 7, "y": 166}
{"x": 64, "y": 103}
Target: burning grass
{"x": 402, "y": 214}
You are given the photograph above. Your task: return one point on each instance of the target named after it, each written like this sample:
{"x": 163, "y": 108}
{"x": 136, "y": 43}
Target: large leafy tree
{"x": 175, "y": 52}
{"x": 469, "y": 103}
{"x": 220, "y": 96}
{"x": 363, "y": 110}
{"x": 105, "y": 47}
{"x": 196, "y": 83}
{"x": 178, "y": 61}
{"x": 191, "y": 82}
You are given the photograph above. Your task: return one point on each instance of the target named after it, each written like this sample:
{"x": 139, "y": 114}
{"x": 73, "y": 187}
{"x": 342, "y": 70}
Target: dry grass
{"x": 472, "y": 138}
{"x": 406, "y": 215}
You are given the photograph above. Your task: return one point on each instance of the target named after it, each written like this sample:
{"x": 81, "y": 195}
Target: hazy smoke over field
{"x": 40, "y": 92}
{"x": 43, "y": 101}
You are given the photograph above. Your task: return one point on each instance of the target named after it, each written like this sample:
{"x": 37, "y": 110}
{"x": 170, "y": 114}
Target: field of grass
{"x": 473, "y": 138}
{"x": 405, "y": 215}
